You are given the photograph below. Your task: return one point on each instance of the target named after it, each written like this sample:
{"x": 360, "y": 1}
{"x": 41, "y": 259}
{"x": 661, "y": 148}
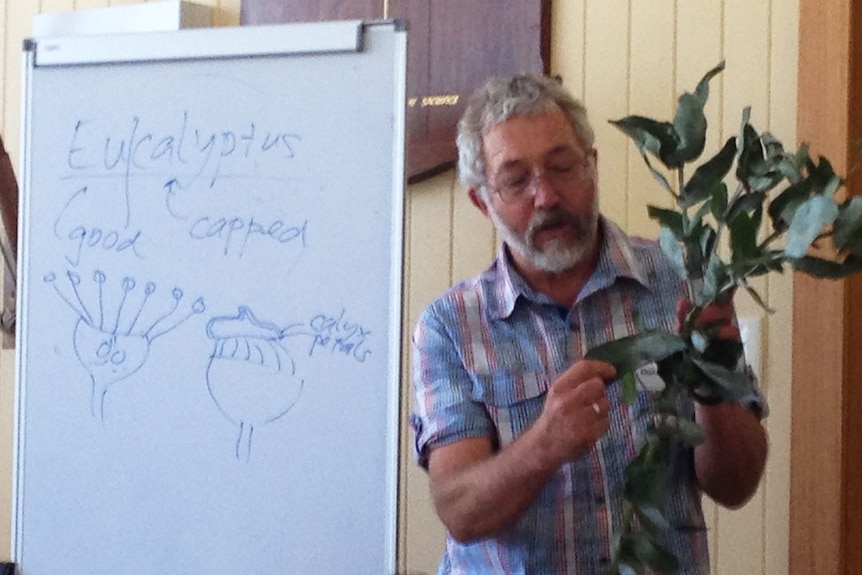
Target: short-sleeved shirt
{"x": 484, "y": 356}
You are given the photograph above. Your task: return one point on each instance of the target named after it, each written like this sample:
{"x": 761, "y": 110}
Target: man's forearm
{"x": 477, "y": 492}
{"x": 730, "y": 462}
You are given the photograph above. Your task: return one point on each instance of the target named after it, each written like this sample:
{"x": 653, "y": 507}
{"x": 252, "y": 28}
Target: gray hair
{"x": 497, "y": 101}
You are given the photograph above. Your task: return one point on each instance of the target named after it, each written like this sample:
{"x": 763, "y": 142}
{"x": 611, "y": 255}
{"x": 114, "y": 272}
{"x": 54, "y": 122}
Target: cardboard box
{"x": 163, "y": 16}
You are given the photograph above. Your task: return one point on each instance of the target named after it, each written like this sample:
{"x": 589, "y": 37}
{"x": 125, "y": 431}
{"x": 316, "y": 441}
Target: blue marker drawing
{"x": 251, "y": 376}
{"x": 113, "y": 348}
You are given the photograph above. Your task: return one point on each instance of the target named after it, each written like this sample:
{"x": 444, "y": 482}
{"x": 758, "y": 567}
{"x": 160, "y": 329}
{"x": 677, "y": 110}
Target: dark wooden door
{"x": 453, "y": 45}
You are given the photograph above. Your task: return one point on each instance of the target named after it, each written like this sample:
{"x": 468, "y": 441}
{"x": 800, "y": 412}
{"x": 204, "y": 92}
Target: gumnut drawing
{"x": 113, "y": 348}
{"x": 251, "y": 376}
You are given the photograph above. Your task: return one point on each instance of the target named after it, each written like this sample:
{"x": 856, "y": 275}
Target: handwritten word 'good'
{"x": 91, "y": 237}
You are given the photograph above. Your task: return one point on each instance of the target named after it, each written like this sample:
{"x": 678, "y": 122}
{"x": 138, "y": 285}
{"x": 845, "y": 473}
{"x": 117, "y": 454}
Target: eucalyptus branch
{"x": 692, "y": 363}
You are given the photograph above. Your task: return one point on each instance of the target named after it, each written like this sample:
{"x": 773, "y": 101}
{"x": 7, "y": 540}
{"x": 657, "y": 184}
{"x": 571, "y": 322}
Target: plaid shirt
{"x": 484, "y": 355}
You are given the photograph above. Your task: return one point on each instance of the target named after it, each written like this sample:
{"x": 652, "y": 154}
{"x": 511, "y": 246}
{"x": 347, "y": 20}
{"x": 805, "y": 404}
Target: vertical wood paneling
{"x": 606, "y": 94}
{"x": 779, "y": 327}
{"x": 699, "y": 48}
{"x": 746, "y": 83}
{"x": 428, "y": 259}
{"x": 88, "y": 4}
{"x": 652, "y": 94}
{"x": 824, "y": 517}
{"x": 568, "y": 34}
{"x": 473, "y": 243}
{"x": 57, "y": 6}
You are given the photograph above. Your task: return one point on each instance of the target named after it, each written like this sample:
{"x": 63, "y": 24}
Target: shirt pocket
{"x": 513, "y": 401}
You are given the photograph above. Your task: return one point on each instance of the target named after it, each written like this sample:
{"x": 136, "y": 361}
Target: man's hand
{"x": 716, "y": 319}
{"x": 478, "y": 490}
{"x": 575, "y": 415}
{"x": 730, "y": 462}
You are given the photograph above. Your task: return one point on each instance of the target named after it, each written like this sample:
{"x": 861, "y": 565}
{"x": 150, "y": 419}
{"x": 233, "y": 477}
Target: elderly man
{"x": 524, "y": 440}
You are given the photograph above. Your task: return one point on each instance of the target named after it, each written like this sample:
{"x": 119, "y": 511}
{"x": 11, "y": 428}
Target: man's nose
{"x": 544, "y": 192}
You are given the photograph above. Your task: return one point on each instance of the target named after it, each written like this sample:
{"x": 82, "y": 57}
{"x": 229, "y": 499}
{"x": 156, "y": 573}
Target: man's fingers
{"x": 588, "y": 369}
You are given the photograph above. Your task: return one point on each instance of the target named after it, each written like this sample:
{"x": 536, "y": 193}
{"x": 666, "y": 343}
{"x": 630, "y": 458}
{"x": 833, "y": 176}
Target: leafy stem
{"x": 781, "y": 194}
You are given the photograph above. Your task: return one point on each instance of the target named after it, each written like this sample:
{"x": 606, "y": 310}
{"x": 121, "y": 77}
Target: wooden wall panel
{"x": 568, "y": 45}
{"x": 746, "y": 51}
{"x": 651, "y": 93}
{"x": 473, "y": 240}
{"x": 57, "y": 6}
{"x": 777, "y": 374}
{"x": 428, "y": 257}
{"x": 825, "y": 533}
{"x": 86, "y": 4}
{"x": 606, "y": 94}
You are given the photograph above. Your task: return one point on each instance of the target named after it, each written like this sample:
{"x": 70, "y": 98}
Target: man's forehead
{"x": 529, "y": 139}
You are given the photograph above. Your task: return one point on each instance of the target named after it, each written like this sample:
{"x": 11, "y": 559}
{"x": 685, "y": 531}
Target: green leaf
{"x": 726, "y": 352}
{"x": 821, "y": 175}
{"x": 746, "y": 203}
{"x": 714, "y": 277}
{"x": 690, "y": 126}
{"x": 832, "y": 186}
{"x": 629, "y": 386}
{"x": 667, "y": 218}
{"x": 750, "y": 153}
{"x": 730, "y": 385}
{"x": 827, "y": 269}
{"x": 808, "y": 222}
{"x": 657, "y": 138}
{"x": 784, "y": 206}
{"x": 718, "y": 202}
{"x": 653, "y": 516}
{"x": 653, "y": 554}
{"x": 707, "y": 176}
{"x": 848, "y": 226}
{"x": 672, "y": 250}
{"x": 690, "y": 122}
{"x": 690, "y": 432}
{"x": 743, "y": 238}
{"x": 629, "y": 353}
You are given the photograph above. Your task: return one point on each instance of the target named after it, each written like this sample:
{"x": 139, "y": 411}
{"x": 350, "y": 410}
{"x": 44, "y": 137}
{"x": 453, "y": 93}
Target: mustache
{"x": 552, "y": 217}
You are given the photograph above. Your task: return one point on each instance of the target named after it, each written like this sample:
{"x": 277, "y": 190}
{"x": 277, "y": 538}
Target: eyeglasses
{"x": 520, "y": 186}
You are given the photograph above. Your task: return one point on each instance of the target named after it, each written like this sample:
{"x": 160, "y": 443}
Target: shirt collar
{"x": 616, "y": 261}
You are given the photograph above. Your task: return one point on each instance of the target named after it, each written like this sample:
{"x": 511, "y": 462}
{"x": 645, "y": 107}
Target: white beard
{"x": 558, "y": 255}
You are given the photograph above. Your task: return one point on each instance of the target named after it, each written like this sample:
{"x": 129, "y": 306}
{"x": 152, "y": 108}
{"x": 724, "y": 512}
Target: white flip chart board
{"x": 210, "y": 302}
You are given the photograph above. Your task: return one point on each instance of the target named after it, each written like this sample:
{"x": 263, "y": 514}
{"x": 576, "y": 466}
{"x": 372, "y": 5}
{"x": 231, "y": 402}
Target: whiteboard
{"x": 210, "y": 302}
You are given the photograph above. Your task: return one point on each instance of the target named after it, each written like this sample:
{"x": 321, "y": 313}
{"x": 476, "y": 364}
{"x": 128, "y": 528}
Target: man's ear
{"x": 478, "y": 201}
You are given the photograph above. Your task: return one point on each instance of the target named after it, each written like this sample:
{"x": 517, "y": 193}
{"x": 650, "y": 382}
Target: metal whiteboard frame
{"x": 198, "y": 43}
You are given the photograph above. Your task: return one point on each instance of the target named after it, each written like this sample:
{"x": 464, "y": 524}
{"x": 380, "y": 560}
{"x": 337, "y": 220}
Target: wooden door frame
{"x": 826, "y": 431}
